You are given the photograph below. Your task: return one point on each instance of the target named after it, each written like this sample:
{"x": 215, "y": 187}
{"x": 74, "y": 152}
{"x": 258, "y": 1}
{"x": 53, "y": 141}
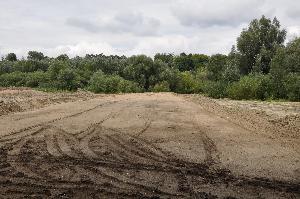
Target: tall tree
{"x": 34, "y": 55}
{"x": 11, "y": 57}
{"x": 184, "y": 62}
{"x": 293, "y": 56}
{"x": 258, "y": 43}
{"x": 216, "y": 66}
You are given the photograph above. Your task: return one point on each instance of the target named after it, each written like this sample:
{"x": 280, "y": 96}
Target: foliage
{"x": 215, "y": 89}
{"x": 67, "y": 79}
{"x": 292, "y": 63}
{"x": 254, "y": 86}
{"x": 216, "y": 67}
{"x": 101, "y": 83}
{"x": 166, "y": 58}
{"x": 63, "y": 57}
{"x": 184, "y": 62}
{"x": 231, "y": 72}
{"x": 36, "y": 79}
{"x": 258, "y": 43}
{"x": 11, "y": 57}
{"x": 161, "y": 87}
{"x": 292, "y": 85}
{"x": 34, "y": 55}
{"x": 13, "y": 79}
{"x": 187, "y": 83}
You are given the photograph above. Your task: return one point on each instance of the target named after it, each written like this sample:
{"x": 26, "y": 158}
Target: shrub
{"x": 292, "y": 86}
{"x": 161, "y": 87}
{"x": 68, "y": 79}
{"x": 187, "y": 83}
{"x": 250, "y": 87}
{"x": 214, "y": 89}
{"x": 101, "y": 83}
{"x": 13, "y": 79}
{"x": 36, "y": 79}
{"x": 6, "y": 67}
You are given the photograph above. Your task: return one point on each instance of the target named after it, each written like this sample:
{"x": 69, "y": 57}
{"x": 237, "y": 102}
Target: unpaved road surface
{"x": 143, "y": 146}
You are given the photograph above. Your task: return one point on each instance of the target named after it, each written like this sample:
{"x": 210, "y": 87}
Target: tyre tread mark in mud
{"x": 57, "y": 119}
{"x": 137, "y": 185}
{"x": 140, "y": 152}
{"x": 147, "y": 125}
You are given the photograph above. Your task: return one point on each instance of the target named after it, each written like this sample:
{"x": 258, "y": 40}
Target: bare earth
{"x": 148, "y": 146}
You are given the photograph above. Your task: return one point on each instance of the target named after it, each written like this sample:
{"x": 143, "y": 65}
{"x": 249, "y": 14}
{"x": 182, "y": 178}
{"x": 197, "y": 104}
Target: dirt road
{"x": 142, "y": 146}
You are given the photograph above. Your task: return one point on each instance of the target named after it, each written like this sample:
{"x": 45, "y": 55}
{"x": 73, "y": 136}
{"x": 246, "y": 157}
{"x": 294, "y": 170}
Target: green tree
{"x": 216, "y": 66}
{"x": 278, "y": 73}
{"x": 187, "y": 83}
{"x": 167, "y": 58}
{"x": 200, "y": 60}
{"x": 63, "y": 57}
{"x": 253, "y": 86}
{"x": 11, "y": 57}
{"x": 68, "y": 79}
{"x": 292, "y": 63}
{"x": 101, "y": 83}
{"x": 184, "y": 62}
{"x": 292, "y": 85}
{"x": 13, "y": 79}
{"x": 258, "y": 43}
{"x": 231, "y": 72}
{"x": 285, "y": 67}
{"x": 37, "y": 79}
{"x": 140, "y": 69}
{"x": 34, "y": 55}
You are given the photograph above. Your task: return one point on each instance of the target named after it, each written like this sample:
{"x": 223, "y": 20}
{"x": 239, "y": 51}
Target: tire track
{"x": 57, "y": 119}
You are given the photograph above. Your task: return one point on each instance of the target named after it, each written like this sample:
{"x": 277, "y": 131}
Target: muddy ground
{"x": 149, "y": 146}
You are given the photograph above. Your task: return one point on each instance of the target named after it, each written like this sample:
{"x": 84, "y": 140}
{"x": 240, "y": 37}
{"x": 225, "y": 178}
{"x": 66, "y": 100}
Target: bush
{"x": 214, "y": 89}
{"x": 13, "y": 79}
{"x": 68, "y": 79}
{"x": 292, "y": 86}
{"x": 101, "y": 83}
{"x": 187, "y": 83}
{"x": 6, "y": 67}
{"x": 250, "y": 87}
{"x": 36, "y": 79}
{"x": 161, "y": 87}
{"x": 31, "y": 65}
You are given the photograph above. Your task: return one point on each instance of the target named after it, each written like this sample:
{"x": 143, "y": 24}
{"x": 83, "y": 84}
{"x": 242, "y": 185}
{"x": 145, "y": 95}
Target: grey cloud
{"x": 217, "y": 13}
{"x": 133, "y": 23}
{"x": 293, "y": 12}
{"x": 84, "y": 24}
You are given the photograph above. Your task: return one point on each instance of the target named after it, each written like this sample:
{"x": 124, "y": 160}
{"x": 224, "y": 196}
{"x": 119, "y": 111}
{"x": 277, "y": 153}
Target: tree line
{"x": 260, "y": 66}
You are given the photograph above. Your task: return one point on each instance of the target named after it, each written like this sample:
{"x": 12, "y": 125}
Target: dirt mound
{"x": 23, "y": 99}
{"x": 272, "y": 119}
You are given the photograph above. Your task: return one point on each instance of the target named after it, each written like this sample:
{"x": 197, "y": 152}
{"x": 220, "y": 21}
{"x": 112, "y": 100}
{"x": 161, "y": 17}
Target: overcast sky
{"x": 77, "y": 27}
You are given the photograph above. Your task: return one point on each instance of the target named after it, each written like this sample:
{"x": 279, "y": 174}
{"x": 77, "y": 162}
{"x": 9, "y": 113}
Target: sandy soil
{"x": 149, "y": 146}
{"x": 24, "y": 99}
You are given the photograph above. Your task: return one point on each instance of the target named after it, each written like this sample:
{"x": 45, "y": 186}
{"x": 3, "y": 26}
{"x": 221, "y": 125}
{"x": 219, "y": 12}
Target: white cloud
{"x": 216, "y": 13}
{"x": 293, "y": 31}
{"x": 134, "y": 23}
